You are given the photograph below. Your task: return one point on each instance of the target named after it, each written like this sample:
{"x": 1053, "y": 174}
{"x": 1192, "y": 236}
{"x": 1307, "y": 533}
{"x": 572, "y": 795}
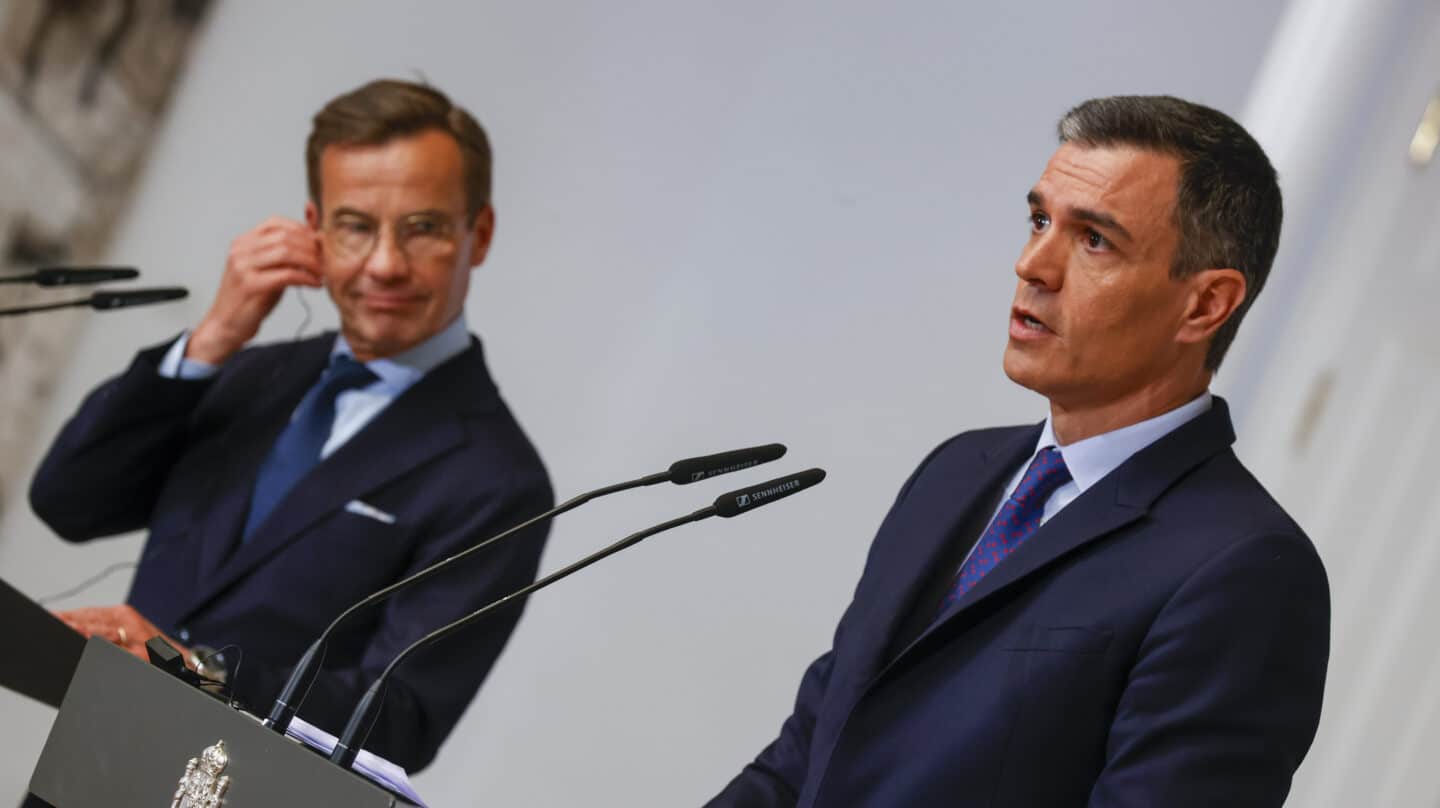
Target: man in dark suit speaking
{"x": 282, "y": 483}
{"x": 1104, "y": 609}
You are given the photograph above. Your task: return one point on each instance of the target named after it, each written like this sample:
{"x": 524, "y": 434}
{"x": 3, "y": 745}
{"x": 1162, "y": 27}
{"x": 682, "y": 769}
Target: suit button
{"x": 184, "y": 635}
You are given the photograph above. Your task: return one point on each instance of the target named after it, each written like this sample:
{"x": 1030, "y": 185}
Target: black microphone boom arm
{"x": 357, "y": 729}
{"x": 105, "y": 300}
{"x": 292, "y": 695}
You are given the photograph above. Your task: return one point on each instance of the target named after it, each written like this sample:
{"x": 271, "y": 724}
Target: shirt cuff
{"x": 176, "y": 366}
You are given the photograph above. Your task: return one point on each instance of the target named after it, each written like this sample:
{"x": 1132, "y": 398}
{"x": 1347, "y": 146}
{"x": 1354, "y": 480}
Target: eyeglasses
{"x": 421, "y": 237}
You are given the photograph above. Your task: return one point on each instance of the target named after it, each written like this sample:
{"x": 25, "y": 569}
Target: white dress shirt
{"x": 1091, "y": 459}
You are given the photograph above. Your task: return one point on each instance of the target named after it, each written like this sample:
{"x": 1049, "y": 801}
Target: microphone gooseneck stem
{"x": 292, "y": 695}
{"x": 363, "y": 718}
{"x": 45, "y": 307}
{"x": 682, "y": 472}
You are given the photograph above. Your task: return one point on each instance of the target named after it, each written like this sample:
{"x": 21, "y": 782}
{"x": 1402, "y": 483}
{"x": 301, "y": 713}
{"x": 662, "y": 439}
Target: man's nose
{"x": 387, "y": 261}
{"x": 1042, "y": 261}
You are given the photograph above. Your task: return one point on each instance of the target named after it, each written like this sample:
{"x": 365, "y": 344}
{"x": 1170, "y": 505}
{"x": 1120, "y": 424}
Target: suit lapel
{"x": 959, "y": 490}
{"x": 278, "y": 392}
{"x": 1092, "y": 515}
{"x": 1119, "y": 499}
{"x": 426, "y": 421}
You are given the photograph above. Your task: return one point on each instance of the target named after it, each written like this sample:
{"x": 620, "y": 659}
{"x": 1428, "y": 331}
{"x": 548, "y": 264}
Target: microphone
{"x": 695, "y": 469}
{"x": 746, "y": 499}
{"x": 67, "y": 276}
{"x": 104, "y": 301}
{"x": 682, "y": 472}
{"x": 363, "y": 718}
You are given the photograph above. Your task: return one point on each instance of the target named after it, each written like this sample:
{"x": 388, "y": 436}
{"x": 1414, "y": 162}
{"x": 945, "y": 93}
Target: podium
{"x": 128, "y": 733}
{"x": 44, "y": 651}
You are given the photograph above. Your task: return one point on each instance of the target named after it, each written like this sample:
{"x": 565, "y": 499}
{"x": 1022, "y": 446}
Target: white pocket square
{"x": 369, "y": 511}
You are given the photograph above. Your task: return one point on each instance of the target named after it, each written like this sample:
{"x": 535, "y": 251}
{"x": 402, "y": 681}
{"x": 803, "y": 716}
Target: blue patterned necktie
{"x": 1017, "y": 520}
{"x": 297, "y": 450}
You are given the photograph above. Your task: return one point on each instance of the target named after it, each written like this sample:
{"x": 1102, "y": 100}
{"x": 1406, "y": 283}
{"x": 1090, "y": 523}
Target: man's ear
{"x": 312, "y": 215}
{"x": 480, "y": 234}
{"x": 1215, "y": 295}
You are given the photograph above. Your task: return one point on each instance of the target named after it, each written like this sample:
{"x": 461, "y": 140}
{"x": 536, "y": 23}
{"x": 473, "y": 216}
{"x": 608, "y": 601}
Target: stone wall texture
{"x": 82, "y": 85}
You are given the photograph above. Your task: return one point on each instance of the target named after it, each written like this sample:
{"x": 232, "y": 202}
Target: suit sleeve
{"x": 429, "y": 692}
{"x": 105, "y": 471}
{"x": 1224, "y": 698}
{"x": 776, "y": 776}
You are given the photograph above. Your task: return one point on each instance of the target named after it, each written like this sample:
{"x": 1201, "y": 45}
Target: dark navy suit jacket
{"x": 446, "y": 459}
{"x": 1161, "y": 641}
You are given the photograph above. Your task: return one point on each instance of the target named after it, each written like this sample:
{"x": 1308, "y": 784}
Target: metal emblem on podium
{"x": 203, "y": 784}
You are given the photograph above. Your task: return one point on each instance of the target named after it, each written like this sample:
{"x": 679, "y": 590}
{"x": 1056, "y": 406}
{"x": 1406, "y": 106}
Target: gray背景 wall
{"x": 719, "y": 225}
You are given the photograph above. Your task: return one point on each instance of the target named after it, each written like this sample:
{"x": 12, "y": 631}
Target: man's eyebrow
{"x": 1094, "y": 217}
{"x": 1099, "y": 219}
{"x": 349, "y": 211}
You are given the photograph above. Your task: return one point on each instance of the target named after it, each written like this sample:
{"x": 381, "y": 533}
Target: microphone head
{"x": 65, "y": 276}
{"x": 695, "y": 469}
{"x": 105, "y": 300}
{"x": 749, "y": 498}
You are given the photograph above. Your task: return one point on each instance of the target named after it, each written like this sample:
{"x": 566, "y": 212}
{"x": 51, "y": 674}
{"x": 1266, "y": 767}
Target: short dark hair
{"x": 1228, "y": 208}
{"x": 386, "y": 109}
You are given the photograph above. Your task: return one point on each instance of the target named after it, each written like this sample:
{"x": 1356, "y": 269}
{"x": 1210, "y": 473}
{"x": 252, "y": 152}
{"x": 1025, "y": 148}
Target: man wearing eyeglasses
{"x": 281, "y": 483}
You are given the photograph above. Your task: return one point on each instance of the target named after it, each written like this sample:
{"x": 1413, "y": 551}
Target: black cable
{"x": 305, "y": 320}
{"x": 87, "y": 583}
{"x": 234, "y": 675}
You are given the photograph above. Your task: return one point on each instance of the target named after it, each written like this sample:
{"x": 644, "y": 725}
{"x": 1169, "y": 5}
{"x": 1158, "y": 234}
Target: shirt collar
{"x": 408, "y": 367}
{"x": 1091, "y": 459}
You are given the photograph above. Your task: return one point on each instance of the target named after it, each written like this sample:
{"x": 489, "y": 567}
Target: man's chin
{"x": 372, "y": 343}
{"x": 1023, "y": 370}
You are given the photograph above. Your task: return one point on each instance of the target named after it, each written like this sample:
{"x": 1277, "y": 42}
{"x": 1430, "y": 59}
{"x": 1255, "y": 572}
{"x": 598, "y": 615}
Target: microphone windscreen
{"x": 748, "y": 499}
{"x": 695, "y": 469}
{"x": 64, "y": 276}
{"x": 136, "y": 297}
